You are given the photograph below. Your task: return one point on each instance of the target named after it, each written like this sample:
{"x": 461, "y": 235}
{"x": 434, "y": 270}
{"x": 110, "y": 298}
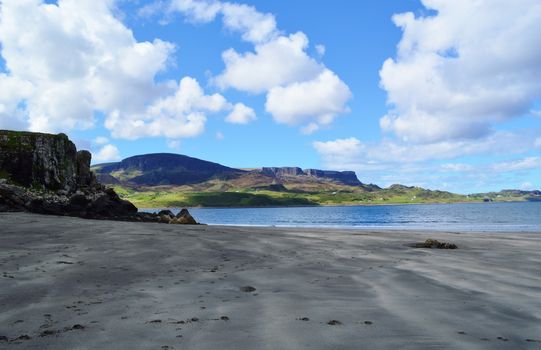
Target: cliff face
{"x": 44, "y": 173}
{"x": 344, "y": 177}
{"x": 43, "y": 161}
{"x": 283, "y": 171}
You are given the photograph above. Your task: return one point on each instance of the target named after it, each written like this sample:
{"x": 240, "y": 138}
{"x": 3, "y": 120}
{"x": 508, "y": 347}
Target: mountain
{"x": 168, "y": 169}
{"x": 167, "y": 180}
{"x": 163, "y": 169}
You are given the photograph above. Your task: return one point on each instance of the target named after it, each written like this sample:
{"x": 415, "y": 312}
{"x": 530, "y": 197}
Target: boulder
{"x": 184, "y": 218}
{"x": 433, "y": 243}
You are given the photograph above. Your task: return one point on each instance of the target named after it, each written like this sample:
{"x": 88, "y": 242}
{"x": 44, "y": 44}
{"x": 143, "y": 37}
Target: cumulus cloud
{"x": 460, "y": 71}
{"x": 100, "y": 140}
{"x": 276, "y": 63}
{"x": 107, "y": 153}
{"x": 176, "y": 116}
{"x": 279, "y": 66}
{"x": 241, "y": 114}
{"x": 320, "y": 99}
{"x": 254, "y": 26}
{"x": 75, "y": 58}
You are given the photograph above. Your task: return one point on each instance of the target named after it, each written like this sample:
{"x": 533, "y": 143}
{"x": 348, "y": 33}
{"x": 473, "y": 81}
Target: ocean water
{"x": 508, "y": 217}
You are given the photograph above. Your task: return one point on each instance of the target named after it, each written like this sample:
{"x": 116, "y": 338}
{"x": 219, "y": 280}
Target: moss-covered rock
{"x": 37, "y": 160}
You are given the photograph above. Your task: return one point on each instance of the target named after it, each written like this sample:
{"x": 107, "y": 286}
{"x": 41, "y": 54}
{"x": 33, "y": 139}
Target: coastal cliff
{"x": 44, "y": 173}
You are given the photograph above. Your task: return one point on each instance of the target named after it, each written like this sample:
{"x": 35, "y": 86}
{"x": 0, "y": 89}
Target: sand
{"x": 68, "y": 283}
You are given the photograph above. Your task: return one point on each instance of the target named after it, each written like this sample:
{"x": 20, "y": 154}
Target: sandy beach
{"x": 68, "y": 283}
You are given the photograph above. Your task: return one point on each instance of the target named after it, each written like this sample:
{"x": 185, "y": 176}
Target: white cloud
{"x": 176, "y": 116}
{"x": 537, "y": 142}
{"x": 459, "y": 72}
{"x": 535, "y": 112}
{"x": 219, "y": 136}
{"x": 173, "y": 144}
{"x": 457, "y": 167}
{"x": 517, "y": 165}
{"x": 319, "y": 100}
{"x": 254, "y": 26}
{"x": 13, "y": 90}
{"x": 100, "y": 140}
{"x": 279, "y": 66}
{"x": 527, "y": 186}
{"x": 197, "y": 10}
{"x": 388, "y": 151}
{"x": 107, "y": 153}
{"x": 321, "y": 49}
{"x": 276, "y": 63}
{"x": 241, "y": 114}
{"x": 75, "y": 58}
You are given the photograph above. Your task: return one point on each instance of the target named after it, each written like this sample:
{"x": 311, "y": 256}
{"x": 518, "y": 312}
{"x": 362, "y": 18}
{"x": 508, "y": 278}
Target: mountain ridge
{"x": 179, "y": 180}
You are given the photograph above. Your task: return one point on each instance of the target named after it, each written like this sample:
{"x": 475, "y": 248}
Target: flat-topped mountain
{"x": 168, "y": 169}
{"x": 344, "y": 177}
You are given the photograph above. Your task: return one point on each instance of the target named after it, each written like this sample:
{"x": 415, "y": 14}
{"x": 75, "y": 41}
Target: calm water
{"x": 465, "y": 217}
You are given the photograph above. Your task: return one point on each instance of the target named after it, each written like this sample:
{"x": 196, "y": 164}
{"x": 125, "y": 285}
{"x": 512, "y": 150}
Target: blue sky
{"x": 429, "y": 93}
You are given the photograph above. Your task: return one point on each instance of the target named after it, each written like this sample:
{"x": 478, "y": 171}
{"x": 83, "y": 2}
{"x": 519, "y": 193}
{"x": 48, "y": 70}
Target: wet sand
{"x": 68, "y": 283}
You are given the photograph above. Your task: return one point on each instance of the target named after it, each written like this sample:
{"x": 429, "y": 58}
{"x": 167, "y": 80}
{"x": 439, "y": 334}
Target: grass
{"x": 173, "y": 197}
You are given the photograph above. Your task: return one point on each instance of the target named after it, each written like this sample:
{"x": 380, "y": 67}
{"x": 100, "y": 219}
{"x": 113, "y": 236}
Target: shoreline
{"x": 68, "y": 283}
{"x": 335, "y": 205}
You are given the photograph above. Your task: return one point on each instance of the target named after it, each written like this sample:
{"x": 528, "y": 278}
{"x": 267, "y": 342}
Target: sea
{"x": 475, "y": 217}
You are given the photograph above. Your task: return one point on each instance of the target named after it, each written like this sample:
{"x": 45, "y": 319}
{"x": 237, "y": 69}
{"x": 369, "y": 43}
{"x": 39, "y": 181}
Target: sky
{"x": 432, "y": 93}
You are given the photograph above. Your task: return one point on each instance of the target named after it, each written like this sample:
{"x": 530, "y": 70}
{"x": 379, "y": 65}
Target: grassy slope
{"x": 243, "y": 192}
{"x": 177, "y": 197}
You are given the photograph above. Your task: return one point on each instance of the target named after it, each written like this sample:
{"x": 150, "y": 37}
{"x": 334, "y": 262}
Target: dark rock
{"x": 283, "y": 171}
{"x": 43, "y": 173}
{"x": 85, "y": 177}
{"x": 432, "y": 243}
{"x": 183, "y": 218}
{"x": 78, "y": 202}
{"x": 166, "y": 213}
{"x": 38, "y": 160}
{"x": 334, "y": 323}
{"x": 247, "y": 289}
{"x": 344, "y": 177}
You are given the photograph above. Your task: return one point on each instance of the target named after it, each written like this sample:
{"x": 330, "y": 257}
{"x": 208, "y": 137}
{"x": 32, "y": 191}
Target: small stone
{"x": 247, "y": 289}
{"x": 334, "y": 323}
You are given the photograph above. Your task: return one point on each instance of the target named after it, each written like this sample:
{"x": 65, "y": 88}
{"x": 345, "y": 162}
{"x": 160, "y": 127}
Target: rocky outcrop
{"x": 283, "y": 171}
{"x": 43, "y": 173}
{"x": 41, "y": 161}
{"x": 345, "y": 177}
